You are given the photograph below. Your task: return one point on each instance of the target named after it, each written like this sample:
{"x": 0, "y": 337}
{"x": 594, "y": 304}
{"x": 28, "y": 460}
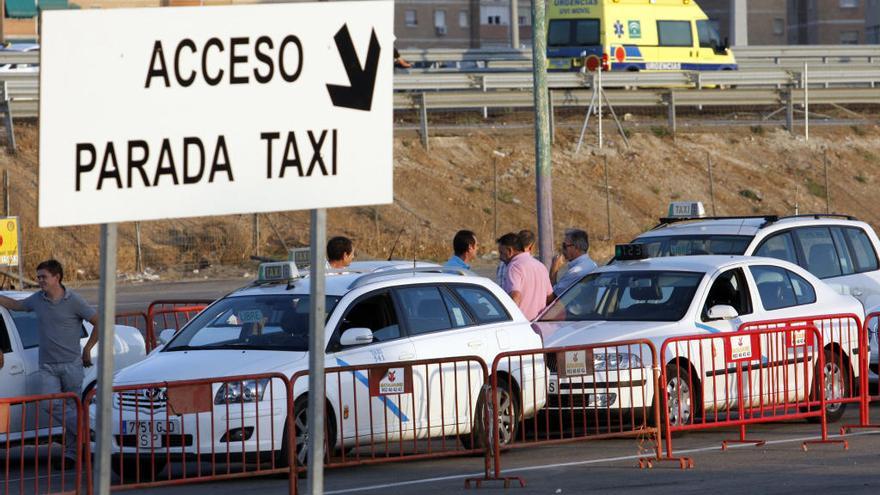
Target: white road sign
{"x": 182, "y": 112}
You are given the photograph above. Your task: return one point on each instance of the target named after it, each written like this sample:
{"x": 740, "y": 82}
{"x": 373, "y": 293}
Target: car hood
{"x": 567, "y": 333}
{"x": 189, "y": 365}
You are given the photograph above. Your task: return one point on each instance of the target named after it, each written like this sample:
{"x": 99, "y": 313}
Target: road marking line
{"x": 577, "y": 463}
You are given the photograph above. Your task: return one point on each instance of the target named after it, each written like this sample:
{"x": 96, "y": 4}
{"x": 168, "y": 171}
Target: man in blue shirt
{"x": 464, "y": 245}
{"x": 574, "y": 252}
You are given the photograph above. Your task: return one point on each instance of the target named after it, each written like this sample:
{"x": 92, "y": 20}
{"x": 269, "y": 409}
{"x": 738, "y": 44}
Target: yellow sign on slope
{"x": 9, "y": 241}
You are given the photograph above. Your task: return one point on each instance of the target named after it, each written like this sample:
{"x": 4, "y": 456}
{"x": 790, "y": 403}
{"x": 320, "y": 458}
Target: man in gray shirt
{"x": 60, "y": 314}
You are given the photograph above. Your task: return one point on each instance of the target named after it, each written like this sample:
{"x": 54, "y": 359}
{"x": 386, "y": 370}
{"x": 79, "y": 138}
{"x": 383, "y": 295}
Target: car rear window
{"x": 485, "y": 307}
{"x": 865, "y": 257}
{"x": 819, "y": 251}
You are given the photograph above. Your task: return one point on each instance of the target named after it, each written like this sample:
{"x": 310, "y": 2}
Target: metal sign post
{"x": 315, "y": 418}
{"x": 106, "y": 326}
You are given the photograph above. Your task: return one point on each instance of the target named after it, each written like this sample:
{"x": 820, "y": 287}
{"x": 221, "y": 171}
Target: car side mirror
{"x": 166, "y": 335}
{"x": 722, "y": 312}
{"x": 356, "y": 336}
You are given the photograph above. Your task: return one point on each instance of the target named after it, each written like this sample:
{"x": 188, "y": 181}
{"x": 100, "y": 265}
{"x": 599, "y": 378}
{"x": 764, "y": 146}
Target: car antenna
{"x": 394, "y": 246}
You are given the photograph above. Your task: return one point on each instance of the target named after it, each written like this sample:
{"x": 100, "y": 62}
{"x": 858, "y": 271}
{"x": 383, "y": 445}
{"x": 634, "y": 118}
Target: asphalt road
{"x": 137, "y": 296}
{"x": 610, "y": 466}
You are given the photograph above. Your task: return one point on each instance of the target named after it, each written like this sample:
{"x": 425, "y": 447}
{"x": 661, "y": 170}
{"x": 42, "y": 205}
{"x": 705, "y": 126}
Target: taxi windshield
{"x": 276, "y": 322}
{"x": 690, "y": 245}
{"x": 627, "y": 296}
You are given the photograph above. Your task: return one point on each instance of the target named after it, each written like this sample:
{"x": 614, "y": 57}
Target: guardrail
{"x": 776, "y": 71}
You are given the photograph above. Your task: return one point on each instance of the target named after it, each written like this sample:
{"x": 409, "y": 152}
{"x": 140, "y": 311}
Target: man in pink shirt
{"x": 527, "y": 279}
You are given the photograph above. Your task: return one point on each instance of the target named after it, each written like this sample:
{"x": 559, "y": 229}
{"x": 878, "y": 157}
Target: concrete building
{"x": 767, "y": 20}
{"x": 495, "y": 23}
{"x": 827, "y": 22}
{"x": 437, "y": 23}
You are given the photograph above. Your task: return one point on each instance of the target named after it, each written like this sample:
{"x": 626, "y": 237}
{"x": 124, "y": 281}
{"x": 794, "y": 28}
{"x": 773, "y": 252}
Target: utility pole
{"x": 543, "y": 163}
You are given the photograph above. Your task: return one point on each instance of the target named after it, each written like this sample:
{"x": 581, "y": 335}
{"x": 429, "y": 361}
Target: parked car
{"x": 659, "y": 298}
{"x": 20, "y": 346}
{"x": 377, "y": 312}
{"x": 838, "y": 249}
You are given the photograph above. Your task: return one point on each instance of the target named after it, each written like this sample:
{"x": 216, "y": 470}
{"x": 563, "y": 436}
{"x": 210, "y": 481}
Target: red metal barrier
{"x": 173, "y": 433}
{"x": 843, "y": 335}
{"x": 40, "y": 421}
{"x": 864, "y": 385}
{"x": 757, "y": 376}
{"x": 397, "y": 411}
{"x": 593, "y": 392}
{"x": 171, "y": 313}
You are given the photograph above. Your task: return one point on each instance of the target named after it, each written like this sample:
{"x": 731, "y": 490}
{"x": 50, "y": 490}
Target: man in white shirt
{"x": 574, "y": 252}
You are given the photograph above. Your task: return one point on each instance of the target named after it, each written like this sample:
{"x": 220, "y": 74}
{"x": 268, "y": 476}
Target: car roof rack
{"x": 821, "y": 215}
{"x": 666, "y": 221}
{"x": 369, "y": 277}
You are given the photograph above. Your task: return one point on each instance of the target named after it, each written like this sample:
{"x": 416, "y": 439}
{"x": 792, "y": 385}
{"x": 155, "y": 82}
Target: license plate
{"x": 553, "y": 385}
{"x": 151, "y": 433}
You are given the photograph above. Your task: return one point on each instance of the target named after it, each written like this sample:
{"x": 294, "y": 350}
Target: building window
{"x": 494, "y": 19}
{"x": 849, "y": 4}
{"x": 873, "y": 34}
{"x": 410, "y": 18}
{"x": 440, "y": 22}
{"x": 778, "y": 26}
{"x": 463, "y": 18}
{"x": 849, "y": 37}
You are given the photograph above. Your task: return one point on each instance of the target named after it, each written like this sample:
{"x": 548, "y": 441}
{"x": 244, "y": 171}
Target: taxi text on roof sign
{"x": 163, "y": 113}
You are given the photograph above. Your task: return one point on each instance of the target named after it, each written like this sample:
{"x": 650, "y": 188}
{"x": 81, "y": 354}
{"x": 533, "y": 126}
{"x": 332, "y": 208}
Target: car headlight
{"x": 243, "y": 391}
{"x": 614, "y": 361}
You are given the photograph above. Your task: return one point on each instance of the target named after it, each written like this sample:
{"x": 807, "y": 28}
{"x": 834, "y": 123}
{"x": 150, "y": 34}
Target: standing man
{"x": 464, "y": 247}
{"x": 60, "y": 314}
{"x": 574, "y": 251}
{"x": 340, "y": 253}
{"x": 527, "y": 280}
{"x": 527, "y": 238}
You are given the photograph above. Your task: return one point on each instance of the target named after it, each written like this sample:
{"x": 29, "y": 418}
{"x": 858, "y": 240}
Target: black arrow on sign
{"x": 359, "y": 95}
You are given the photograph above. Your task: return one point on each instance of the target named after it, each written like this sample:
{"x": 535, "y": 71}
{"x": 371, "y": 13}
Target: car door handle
{"x": 857, "y": 292}
{"x": 474, "y": 344}
{"x": 405, "y": 356}
{"x": 16, "y": 369}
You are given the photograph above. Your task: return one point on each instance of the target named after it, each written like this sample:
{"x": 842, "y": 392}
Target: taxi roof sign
{"x": 277, "y": 271}
{"x": 686, "y": 209}
{"x": 301, "y": 257}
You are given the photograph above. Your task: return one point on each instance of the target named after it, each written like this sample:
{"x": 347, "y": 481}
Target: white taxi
{"x": 659, "y": 298}
{"x": 838, "y": 249}
{"x": 377, "y": 312}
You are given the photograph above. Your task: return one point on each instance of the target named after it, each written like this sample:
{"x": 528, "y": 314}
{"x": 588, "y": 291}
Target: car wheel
{"x": 135, "y": 469}
{"x": 508, "y": 420}
{"x": 680, "y": 398}
{"x": 837, "y": 385}
{"x": 300, "y": 426}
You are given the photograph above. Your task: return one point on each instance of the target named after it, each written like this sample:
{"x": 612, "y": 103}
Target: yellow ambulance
{"x": 633, "y": 35}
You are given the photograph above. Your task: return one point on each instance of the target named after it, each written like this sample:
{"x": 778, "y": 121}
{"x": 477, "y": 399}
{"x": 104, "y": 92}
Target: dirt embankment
{"x": 450, "y": 186}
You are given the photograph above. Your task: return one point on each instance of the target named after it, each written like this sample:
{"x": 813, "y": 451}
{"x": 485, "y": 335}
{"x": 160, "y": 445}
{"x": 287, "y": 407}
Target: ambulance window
{"x": 709, "y": 37}
{"x": 580, "y": 32}
{"x": 586, "y": 32}
{"x": 675, "y": 33}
